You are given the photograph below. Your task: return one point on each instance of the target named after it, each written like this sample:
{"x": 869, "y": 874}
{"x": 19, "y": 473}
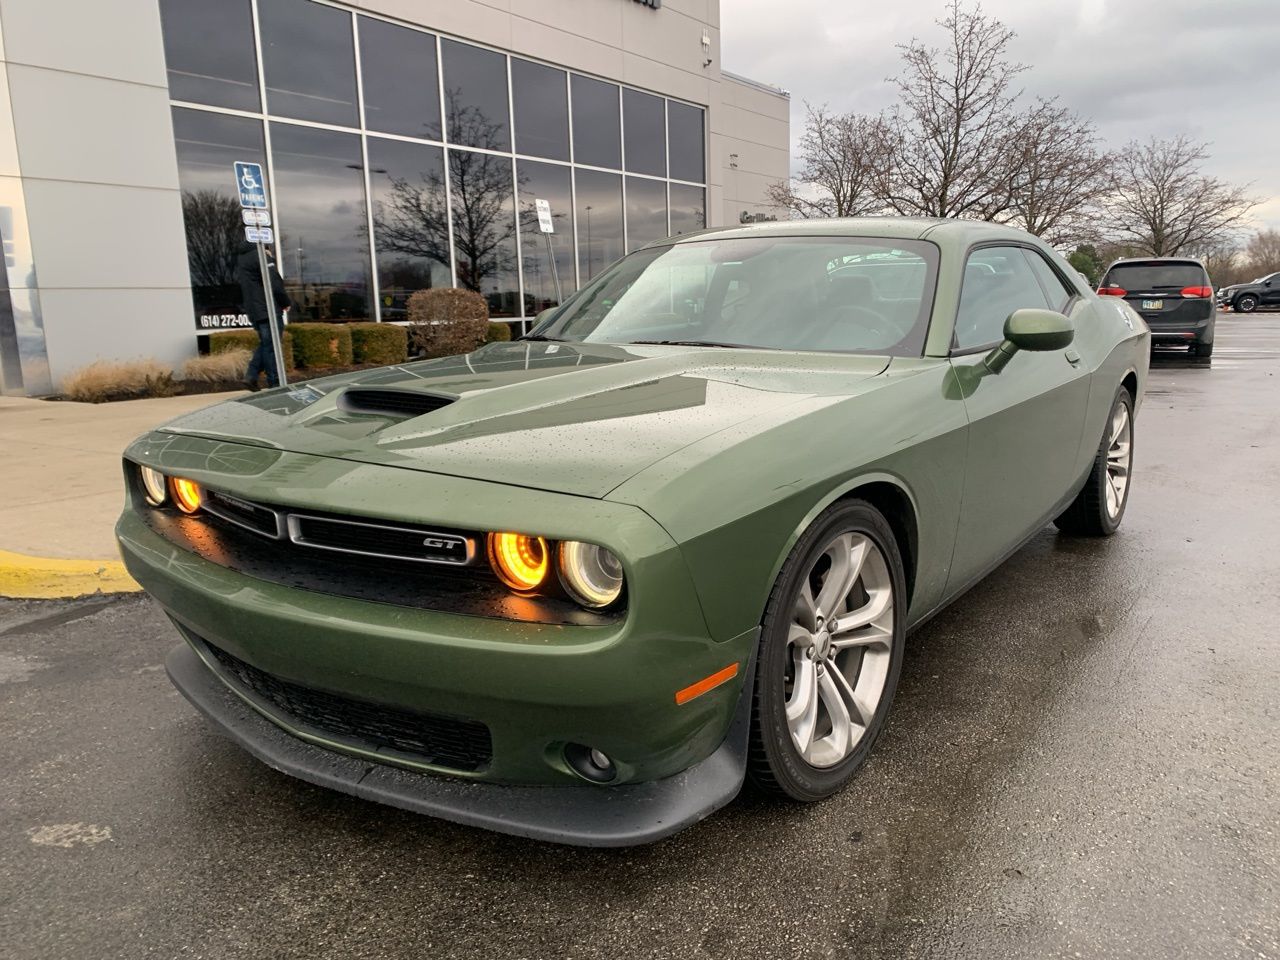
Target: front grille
{"x": 397, "y": 403}
{"x": 380, "y": 540}
{"x": 251, "y": 516}
{"x": 424, "y": 737}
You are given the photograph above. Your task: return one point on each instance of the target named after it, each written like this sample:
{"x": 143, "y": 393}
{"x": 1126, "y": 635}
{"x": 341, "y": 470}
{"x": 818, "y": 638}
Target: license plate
{"x": 1152, "y": 304}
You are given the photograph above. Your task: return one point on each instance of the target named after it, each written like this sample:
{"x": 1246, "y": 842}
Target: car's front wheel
{"x": 1099, "y": 506}
{"x": 1247, "y": 303}
{"x": 830, "y": 654}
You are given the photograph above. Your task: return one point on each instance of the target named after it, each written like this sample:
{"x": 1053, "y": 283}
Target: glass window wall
{"x": 399, "y": 79}
{"x": 308, "y": 61}
{"x": 599, "y": 208}
{"x": 475, "y": 96}
{"x": 646, "y": 211}
{"x": 546, "y": 258}
{"x": 645, "y": 125}
{"x": 410, "y": 221}
{"x": 323, "y": 236}
{"x": 541, "y": 96}
{"x": 597, "y": 124}
{"x": 484, "y": 229}
{"x": 209, "y": 51}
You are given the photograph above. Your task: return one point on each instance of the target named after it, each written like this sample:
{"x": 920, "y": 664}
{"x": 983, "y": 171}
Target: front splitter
{"x": 587, "y": 816}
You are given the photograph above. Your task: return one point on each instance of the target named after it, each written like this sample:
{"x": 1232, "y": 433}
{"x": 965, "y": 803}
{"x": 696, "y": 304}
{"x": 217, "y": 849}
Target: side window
{"x": 997, "y": 281}
{"x": 1059, "y": 293}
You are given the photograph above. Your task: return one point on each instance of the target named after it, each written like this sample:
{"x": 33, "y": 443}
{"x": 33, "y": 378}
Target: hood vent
{"x": 391, "y": 403}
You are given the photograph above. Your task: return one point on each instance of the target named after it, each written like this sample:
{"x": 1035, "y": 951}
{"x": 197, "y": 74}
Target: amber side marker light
{"x": 186, "y": 494}
{"x": 706, "y": 683}
{"x": 519, "y": 560}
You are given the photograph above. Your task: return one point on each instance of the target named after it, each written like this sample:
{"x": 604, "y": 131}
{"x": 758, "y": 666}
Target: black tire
{"x": 775, "y": 766}
{"x": 1087, "y": 516}
{"x": 1202, "y": 350}
{"x": 1246, "y": 303}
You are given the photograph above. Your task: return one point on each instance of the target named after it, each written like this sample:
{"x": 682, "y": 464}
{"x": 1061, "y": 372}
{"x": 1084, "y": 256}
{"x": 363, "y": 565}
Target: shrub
{"x": 242, "y": 339}
{"x": 498, "y": 333}
{"x": 380, "y": 343}
{"x": 225, "y": 366}
{"x": 321, "y": 344}
{"x": 446, "y": 320}
{"x": 119, "y": 380}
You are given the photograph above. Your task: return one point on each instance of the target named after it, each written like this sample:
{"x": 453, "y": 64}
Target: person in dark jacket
{"x": 254, "y": 301}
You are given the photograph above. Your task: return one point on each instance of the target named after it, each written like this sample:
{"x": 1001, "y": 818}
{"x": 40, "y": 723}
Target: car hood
{"x": 571, "y": 418}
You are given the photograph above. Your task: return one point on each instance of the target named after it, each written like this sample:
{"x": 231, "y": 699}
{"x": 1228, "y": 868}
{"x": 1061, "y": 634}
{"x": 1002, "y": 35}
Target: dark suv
{"x": 1248, "y": 297}
{"x": 1173, "y": 294}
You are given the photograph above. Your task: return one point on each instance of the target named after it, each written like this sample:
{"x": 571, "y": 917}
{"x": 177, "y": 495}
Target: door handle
{"x": 1073, "y": 358}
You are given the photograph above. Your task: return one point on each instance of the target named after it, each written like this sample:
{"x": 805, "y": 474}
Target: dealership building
{"x": 404, "y": 143}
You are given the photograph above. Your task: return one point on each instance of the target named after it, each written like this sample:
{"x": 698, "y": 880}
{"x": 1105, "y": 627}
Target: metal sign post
{"x": 252, "y": 187}
{"x": 548, "y": 227}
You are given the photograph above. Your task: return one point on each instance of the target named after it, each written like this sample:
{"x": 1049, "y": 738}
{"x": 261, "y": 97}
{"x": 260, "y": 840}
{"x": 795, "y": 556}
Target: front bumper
{"x": 619, "y": 816}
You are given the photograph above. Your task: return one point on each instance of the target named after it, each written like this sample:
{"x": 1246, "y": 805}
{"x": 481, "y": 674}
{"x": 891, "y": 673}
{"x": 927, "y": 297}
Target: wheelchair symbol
{"x": 248, "y": 181}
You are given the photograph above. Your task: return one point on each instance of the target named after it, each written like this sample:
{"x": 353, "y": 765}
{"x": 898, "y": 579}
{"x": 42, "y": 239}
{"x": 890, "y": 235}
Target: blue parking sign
{"x": 251, "y": 184}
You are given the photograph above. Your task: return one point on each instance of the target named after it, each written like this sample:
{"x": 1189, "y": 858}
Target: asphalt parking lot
{"x": 1082, "y": 762}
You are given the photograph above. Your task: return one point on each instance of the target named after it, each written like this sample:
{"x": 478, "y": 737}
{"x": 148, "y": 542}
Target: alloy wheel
{"x": 840, "y": 642}
{"x": 1119, "y": 459}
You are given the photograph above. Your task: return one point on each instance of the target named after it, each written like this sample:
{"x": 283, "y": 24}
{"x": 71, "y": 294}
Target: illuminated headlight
{"x": 519, "y": 560}
{"x": 186, "y": 494}
{"x": 591, "y": 574}
{"x": 154, "y": 485}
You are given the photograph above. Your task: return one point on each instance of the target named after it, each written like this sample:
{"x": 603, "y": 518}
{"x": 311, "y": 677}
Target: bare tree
{"x": 1058, "y": 174}
{"x": 1262, "y": 252}
{"x": 952, "y": 135}
{"x": 1160, "y": 203}
{"x": 842, "y": 157}
{"x": 214, "y": 234}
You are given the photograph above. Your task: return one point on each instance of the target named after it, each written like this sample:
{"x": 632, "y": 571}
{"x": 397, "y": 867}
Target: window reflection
{"x": 475, "y": 85}
{"x": 644, "y": 123}
{"x": 685, "y": 141}
{"x": 308, "y": 61}
{"x": 646, "y": 211}
{"x": 545, "y": 181}
{"x": 597, "y": 127}
{"x": 399, "y": 78}
{"x": 207, "y": 145}
{"x": 599, "y": 209}
{"x": 688, "y": 208}
{"x": 324, "y": 250}
{"x": 484, "y": 229}
{"x": 410, "y": 221}
{"x": 541, "y": 110}
{"x": 208, "y": 49}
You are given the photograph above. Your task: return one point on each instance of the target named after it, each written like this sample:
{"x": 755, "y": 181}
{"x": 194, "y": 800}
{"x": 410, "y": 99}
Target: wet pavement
{"x": 1081, "y": 762}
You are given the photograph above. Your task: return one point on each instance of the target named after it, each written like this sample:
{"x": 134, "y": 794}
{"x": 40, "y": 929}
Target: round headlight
{"x": 186, "y": 494}
{"x": 153, "y": 484}
{"x": 591, "y": 574}
{"x": 519, "y": 560}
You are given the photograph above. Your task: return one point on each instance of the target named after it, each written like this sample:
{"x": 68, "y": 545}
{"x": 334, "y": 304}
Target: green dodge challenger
{"x": 579, "y": 586}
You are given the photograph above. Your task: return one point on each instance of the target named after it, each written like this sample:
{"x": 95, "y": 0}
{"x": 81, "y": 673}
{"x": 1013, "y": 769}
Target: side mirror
{"x": 1030, "y": 329}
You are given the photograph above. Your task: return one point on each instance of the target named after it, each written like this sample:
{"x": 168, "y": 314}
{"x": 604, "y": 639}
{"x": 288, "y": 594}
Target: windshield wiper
{"x": 542, "y": 338}
{"x": 700, "y": 343}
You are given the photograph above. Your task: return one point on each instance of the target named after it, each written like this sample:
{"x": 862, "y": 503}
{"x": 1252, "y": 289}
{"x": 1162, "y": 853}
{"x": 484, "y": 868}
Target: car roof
{"x": 961, "y": 232}
{"x": 1136, "y": 260}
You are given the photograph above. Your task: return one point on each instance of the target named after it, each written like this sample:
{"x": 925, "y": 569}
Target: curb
{"x": 41, "y": 578}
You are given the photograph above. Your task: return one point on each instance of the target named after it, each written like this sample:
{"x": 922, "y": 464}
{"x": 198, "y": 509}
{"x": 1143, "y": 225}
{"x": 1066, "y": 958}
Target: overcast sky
{"x": 1208, "y": 68}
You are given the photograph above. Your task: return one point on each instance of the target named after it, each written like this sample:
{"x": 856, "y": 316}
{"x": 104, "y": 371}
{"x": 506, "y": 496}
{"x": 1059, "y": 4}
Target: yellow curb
{"x": 41, "y": 578}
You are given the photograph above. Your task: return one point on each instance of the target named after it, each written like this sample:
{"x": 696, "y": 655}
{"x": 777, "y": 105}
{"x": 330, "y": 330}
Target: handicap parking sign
{"x": 251, "y": 184}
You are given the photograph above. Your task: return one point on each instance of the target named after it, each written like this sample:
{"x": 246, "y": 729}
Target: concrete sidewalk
{"x": 61, "y": 488}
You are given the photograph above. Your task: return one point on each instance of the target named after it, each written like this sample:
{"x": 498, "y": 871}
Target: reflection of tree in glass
{"x": 413, "y": 219}
{"x": 214, "y": 232}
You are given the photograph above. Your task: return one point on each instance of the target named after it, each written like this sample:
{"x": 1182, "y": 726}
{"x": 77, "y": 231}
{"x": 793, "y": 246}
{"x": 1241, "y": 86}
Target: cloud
{"x": 1135, "y": 67}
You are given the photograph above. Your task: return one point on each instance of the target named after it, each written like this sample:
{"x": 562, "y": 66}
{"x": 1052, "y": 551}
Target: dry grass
{"x": 226, "y": 367}
{"x": 119, "y": 380}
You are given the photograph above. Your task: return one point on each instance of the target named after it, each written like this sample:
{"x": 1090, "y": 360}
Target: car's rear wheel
{"x": 1247, "y": 303}
{"x": 830, "y": 655}
{"x": 1099, "y": 506}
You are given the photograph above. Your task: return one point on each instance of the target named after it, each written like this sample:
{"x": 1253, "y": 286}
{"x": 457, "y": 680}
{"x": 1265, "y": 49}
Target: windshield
{"x": 1155, "y": 276}
{"x": 848, "y": 294}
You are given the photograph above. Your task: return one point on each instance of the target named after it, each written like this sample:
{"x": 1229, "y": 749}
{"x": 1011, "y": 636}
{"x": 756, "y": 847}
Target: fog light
{"x": 186, "y": 494}
{"x": 590, "y": 763}
{"x": 153, "y": 484}
{"x": 519, "y": 560}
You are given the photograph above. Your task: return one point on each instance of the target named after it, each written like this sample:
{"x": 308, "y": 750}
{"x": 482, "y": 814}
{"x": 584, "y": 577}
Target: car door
{"x": 1025, "y": 422}
{"x": 1271, "y": 290}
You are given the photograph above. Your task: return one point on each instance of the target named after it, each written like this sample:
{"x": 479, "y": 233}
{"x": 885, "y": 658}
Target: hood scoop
{"x": 391, "y": 403}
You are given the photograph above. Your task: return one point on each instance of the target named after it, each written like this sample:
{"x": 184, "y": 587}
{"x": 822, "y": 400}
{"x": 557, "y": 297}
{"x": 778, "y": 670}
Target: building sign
{"x": 221, "y": 321}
